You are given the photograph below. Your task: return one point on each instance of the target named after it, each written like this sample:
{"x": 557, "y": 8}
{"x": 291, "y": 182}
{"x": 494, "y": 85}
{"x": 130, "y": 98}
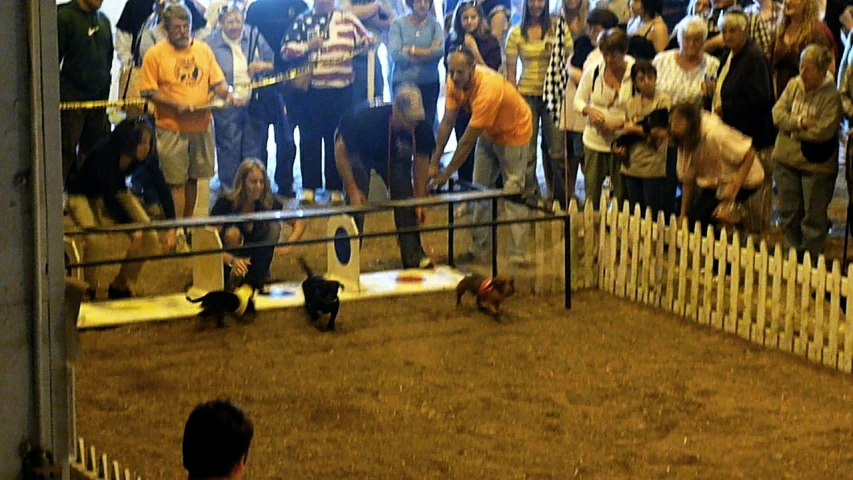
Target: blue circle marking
{"x": 343, "y": 249}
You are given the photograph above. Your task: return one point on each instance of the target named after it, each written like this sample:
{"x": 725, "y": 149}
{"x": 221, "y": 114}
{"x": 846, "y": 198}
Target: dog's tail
{"x": 195, "y": 300}
{"x": 305, "y": 266}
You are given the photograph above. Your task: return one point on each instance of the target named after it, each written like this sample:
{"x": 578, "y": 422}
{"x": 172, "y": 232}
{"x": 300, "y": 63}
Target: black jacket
{"x": 747, "y": 95}
{"x": 85, "y": 43}
{"x": 101, "y": 176}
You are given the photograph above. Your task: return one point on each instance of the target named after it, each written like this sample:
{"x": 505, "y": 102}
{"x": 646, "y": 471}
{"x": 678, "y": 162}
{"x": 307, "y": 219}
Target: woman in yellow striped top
{"x": 531, "y": 41}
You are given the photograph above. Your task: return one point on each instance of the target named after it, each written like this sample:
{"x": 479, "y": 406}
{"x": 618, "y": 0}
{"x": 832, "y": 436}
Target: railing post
{"x": 494, "y": 236}
{"x": 451, "y": 210}
{"x": 567, "y": 259}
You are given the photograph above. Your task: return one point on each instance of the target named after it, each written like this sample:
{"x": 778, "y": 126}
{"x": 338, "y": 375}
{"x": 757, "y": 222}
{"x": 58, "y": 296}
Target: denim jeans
{"x": 491, "y": 160}
{"x": 553, "y": 141}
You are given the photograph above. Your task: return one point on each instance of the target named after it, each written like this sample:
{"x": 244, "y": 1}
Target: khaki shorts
{"x": 185, "y": 156}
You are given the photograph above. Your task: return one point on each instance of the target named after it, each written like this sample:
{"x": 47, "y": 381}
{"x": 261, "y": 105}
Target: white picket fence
{"x": 87, "y": 464}
{"x": 734, "y": 284}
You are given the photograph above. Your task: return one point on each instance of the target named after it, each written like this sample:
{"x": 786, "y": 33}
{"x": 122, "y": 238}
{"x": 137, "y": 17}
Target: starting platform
{"x": 281, "y": 295}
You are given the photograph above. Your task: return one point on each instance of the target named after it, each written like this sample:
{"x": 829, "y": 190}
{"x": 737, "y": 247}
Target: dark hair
{"x": 613, "y": 40}
{"x": 128, "y": 134}
{"x": 641, "y": 66}
{"x": 458, "y": 31}
{"x": 692, "y": 112}
{"x": 652, "y": 8}
{"x": 411, "y": 3}
{"x": 543, "y": 21}
{"x": 469, "y": 55}
{"x": 216, "y": 436}
{"x": 602, "y": 17}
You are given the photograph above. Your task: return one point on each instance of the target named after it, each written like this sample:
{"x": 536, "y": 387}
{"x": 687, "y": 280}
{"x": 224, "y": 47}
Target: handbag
{"x": 819, "y": 152}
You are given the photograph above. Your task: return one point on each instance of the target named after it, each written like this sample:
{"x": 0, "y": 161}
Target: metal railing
{"x": 475, "y": 194}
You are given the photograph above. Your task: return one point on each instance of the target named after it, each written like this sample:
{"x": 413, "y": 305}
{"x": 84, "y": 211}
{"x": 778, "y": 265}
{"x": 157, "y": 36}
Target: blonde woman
{"x": 532, "y": 41}
{"x": 251, "y": 193}
{"x": 799, "y": 26}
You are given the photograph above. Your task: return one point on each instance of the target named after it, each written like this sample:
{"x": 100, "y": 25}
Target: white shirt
{"x": 601, "y": 97}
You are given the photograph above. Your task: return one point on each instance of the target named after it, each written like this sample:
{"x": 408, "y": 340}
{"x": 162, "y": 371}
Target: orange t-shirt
{"x": 185, "y": 76}
{"x": 496, "y": 107}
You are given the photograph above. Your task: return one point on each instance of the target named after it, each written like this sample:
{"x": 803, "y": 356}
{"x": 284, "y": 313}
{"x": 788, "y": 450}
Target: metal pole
{"x": 494, "y": 237}
{"x": 567, "y": 259}
{"x": 451, "y": 208}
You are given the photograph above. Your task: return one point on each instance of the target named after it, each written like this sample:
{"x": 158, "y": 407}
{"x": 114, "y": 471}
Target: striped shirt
{"x": 343, "y": 36}
{"x": 534, "y": 55}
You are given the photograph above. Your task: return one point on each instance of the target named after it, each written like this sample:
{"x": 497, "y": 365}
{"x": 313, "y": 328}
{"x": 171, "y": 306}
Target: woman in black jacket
{"x": 743, "y": 98}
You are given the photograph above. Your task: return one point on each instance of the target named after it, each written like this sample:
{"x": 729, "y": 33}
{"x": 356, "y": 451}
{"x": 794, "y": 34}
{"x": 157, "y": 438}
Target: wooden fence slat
{"x": 734, "y": 284}
{"x": 786, "y": 343}
{"x": 658, "y": 261}
{"x": 801, "y": 345}
{"x": 830, "y": 353}
{"x": 116, "y": 471}
{"x": 636, "y": 226}
{"x": 578, "y": 268}
{"x": 105, "y": 467}
{"x": 815, "y": 351}
{"x": 683, "y": 270}
{"x": 646, "y": 273}
{"x": 558, "y": 253}
{"x": 707, "y": 308}
{"x": 744, "y": 320}
{"x": 623, "y": 240}
{"x": 612, "y": 259}
{"x": 721, "y": 253}
{"x": 81, "y": 452}
{"x": 847, "y": 353}
{"x": 590, "y": 252}
{"x": 671, "y": 267}
{"x": 762, "y": 264}
{"x": 772, "y": 339}
{"x": 604, "y": 265}
{"x": 694, "y": 271}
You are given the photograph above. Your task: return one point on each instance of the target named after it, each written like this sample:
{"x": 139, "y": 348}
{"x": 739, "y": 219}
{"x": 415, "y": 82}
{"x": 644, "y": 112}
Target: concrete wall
{"x": 33, "y": 388}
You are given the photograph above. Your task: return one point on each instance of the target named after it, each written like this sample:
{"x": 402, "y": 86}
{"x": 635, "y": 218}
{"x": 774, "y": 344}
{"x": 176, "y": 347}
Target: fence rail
{"x": 726, "y": 281}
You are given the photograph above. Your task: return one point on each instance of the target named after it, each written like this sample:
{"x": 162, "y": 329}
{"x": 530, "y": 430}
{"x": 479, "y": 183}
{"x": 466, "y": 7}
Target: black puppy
{"x": 219, "y": 303}
{"x": 321, "y": 295}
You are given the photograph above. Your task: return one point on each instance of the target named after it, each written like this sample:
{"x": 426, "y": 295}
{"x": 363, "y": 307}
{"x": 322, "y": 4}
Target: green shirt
{"x": 85, "y": 53}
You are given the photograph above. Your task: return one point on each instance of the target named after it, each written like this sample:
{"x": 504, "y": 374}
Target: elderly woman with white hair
{"x": 808, "y": 114}
{"x": 743, "y": 98}
{"x": 681, "y": 76}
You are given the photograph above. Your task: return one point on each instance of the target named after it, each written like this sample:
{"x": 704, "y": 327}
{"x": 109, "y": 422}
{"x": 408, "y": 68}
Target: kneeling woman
{"x": 251, "y": 193}
{"x": 98, "y": 196}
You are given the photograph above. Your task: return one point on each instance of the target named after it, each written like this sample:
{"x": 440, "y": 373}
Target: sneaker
{"x": 471, "y": 257}
{"x": 116, "y": 294}
{"x": 426, "y": 264}
{"x": 307, "y": 197}
{"x": 336, "y": 198}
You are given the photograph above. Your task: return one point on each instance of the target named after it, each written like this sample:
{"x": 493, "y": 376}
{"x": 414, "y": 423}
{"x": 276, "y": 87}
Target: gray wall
{"x": 33, "y": 399}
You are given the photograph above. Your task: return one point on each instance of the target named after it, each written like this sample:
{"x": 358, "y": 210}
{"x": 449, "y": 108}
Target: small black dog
{"x": 321, "y": 296}
{"x": 219, "y": 303}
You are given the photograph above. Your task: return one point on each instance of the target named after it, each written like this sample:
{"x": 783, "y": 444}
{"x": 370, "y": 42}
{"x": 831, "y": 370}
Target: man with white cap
{"x": 395, "y": 140}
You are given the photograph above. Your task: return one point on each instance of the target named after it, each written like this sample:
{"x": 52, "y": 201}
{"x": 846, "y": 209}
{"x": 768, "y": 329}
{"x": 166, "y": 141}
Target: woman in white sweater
{"x": 601, "y": 96}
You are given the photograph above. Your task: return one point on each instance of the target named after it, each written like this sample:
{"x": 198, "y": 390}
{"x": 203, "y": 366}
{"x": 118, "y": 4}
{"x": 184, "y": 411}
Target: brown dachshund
{"x": 490, "y": 292}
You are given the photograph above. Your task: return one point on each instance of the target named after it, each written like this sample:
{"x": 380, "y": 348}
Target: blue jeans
{"x": 236, "y": 139}
{"x": 553, "y": 144}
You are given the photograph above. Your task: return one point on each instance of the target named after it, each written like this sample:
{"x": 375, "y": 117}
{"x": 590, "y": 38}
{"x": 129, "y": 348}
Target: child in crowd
{"x": 646, "y": 121}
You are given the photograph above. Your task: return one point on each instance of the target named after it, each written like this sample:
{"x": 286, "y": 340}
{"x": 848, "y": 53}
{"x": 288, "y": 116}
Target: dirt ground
{"x": 608, "y": 390}
{"x": 414, "y": 388}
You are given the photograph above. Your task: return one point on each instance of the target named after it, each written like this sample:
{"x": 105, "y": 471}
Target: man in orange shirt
{"x": 177, "y": 76}
{"x": 501, "y": 127}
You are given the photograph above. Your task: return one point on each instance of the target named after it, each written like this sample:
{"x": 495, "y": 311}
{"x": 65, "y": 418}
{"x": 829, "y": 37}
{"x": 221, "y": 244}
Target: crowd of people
{"x": 701, "y": 119}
